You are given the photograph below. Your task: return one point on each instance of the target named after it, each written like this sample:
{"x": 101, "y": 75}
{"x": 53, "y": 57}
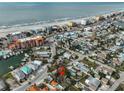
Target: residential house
{"x": 98, "y": 18}
{"x": 116, "y": 61}
{"x": 34, "y": 67}
{"x": 101, "y": 57}
{"x": 72, "y": 35}
{"x": 72, "y": 72}
{"x": 79, "y": 85}
{"x": 87, "y": 34}
{"x": 67, "y": 55}
{"x": 49, "y": 78}
{"x": 121, "y": 57}
{"x": 104, "y": 87}
{"x": 88, "y": 29}
{"x": 18, "y": 74}
{"x": 53, "y": 83}
{"x": 43, "y": 54}
{"x": 81, "y": 67}
{"x": 84, "y": 21}
{"x": 37, "y": 62}
{"x": 92, "y": 83}
{"x": 97, "y": 76}
{"x": 25, "y": 69}
{"x": 105, "y": 70}
{"x": 104, "y": 81}
{"x": 33, "y": 88}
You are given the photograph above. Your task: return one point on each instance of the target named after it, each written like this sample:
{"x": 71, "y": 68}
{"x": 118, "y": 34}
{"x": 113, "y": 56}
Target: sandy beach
{"x": 4, "y": 32}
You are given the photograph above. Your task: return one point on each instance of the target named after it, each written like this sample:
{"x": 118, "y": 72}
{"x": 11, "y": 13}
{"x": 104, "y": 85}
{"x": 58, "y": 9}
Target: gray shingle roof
{"x": 2, "y": 85}
{"x": 94, "y": 81}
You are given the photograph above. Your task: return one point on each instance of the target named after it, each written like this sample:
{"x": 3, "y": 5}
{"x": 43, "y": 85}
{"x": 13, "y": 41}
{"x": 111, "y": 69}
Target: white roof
{"x": 15, "y": 33}
{"x": 34, "y": 67}
{"x": 88, "y": 28}
{"x": 87, "y": 81}
{"x": 37, "y": 62}
{"x": 84, "y": 21}
{"x": 43, "y": 53}
{"x": 92, "y": 81}
{"x": 67, "y": 55}
{"x": 18, "y": 74}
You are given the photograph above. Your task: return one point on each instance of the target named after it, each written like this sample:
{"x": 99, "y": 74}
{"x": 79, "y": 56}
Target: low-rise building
{"x": 84, "y": 21}
{"x": 18, "y": 74}
{"x": 121, "y": 57}
{"x": 37, "y": 62}
{"x": 116, "y": 61}
{"x": 33, "y": 88}
{"x": 88, "y": 29}
{"x": 25, "y": 69}
{"x": 43, "y": 54}
{"x": 104, "y": 87}
{"x": 67, "y": 55}
{"x": 92, "y": 83}
{"x": 34, "y": 67}
{"x": 81, "y": 67}
{"x": 104, "y": 70}
{"x": 104, "y": 81}
{"x": 3, "y": 85}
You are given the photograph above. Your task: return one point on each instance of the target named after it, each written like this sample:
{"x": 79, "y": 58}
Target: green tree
{"x": 102, "y": 74}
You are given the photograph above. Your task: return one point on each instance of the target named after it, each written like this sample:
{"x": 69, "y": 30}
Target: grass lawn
{"x": 8, "y": 75}
{"x": 66, "y": 61}
{"x": 120, "y": 68}
{"x": 73, "y": 88}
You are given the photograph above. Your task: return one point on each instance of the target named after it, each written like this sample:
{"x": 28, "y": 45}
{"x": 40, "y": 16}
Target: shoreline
{"x": 4, "y": 32}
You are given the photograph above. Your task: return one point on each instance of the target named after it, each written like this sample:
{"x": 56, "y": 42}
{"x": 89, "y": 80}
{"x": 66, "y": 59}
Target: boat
{"x": 23, "y": 60}
{"x": 13, "y": 53}
{"x": 16, "y": 53}
{"x": 8, "y": 56}
{"x": 4, "y": 57}
{"x": 21, "y": 51}
{"x": 11, "y": 67}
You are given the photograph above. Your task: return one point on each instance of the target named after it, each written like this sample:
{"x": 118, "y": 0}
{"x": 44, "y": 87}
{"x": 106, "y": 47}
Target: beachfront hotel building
{"x": 26, "y": 42}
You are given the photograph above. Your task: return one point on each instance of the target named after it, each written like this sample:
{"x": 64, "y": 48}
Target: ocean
{"x": 29, "y": 12}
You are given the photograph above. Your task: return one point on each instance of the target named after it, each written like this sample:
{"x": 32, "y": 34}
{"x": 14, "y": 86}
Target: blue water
{"x": 19, "y": 13}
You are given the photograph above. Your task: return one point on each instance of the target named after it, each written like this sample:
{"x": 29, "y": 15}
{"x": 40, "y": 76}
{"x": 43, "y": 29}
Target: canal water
{"x": 13, "y": 61}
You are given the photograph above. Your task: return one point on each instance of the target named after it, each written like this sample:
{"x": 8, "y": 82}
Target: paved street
{"x": 53, "y": 49}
